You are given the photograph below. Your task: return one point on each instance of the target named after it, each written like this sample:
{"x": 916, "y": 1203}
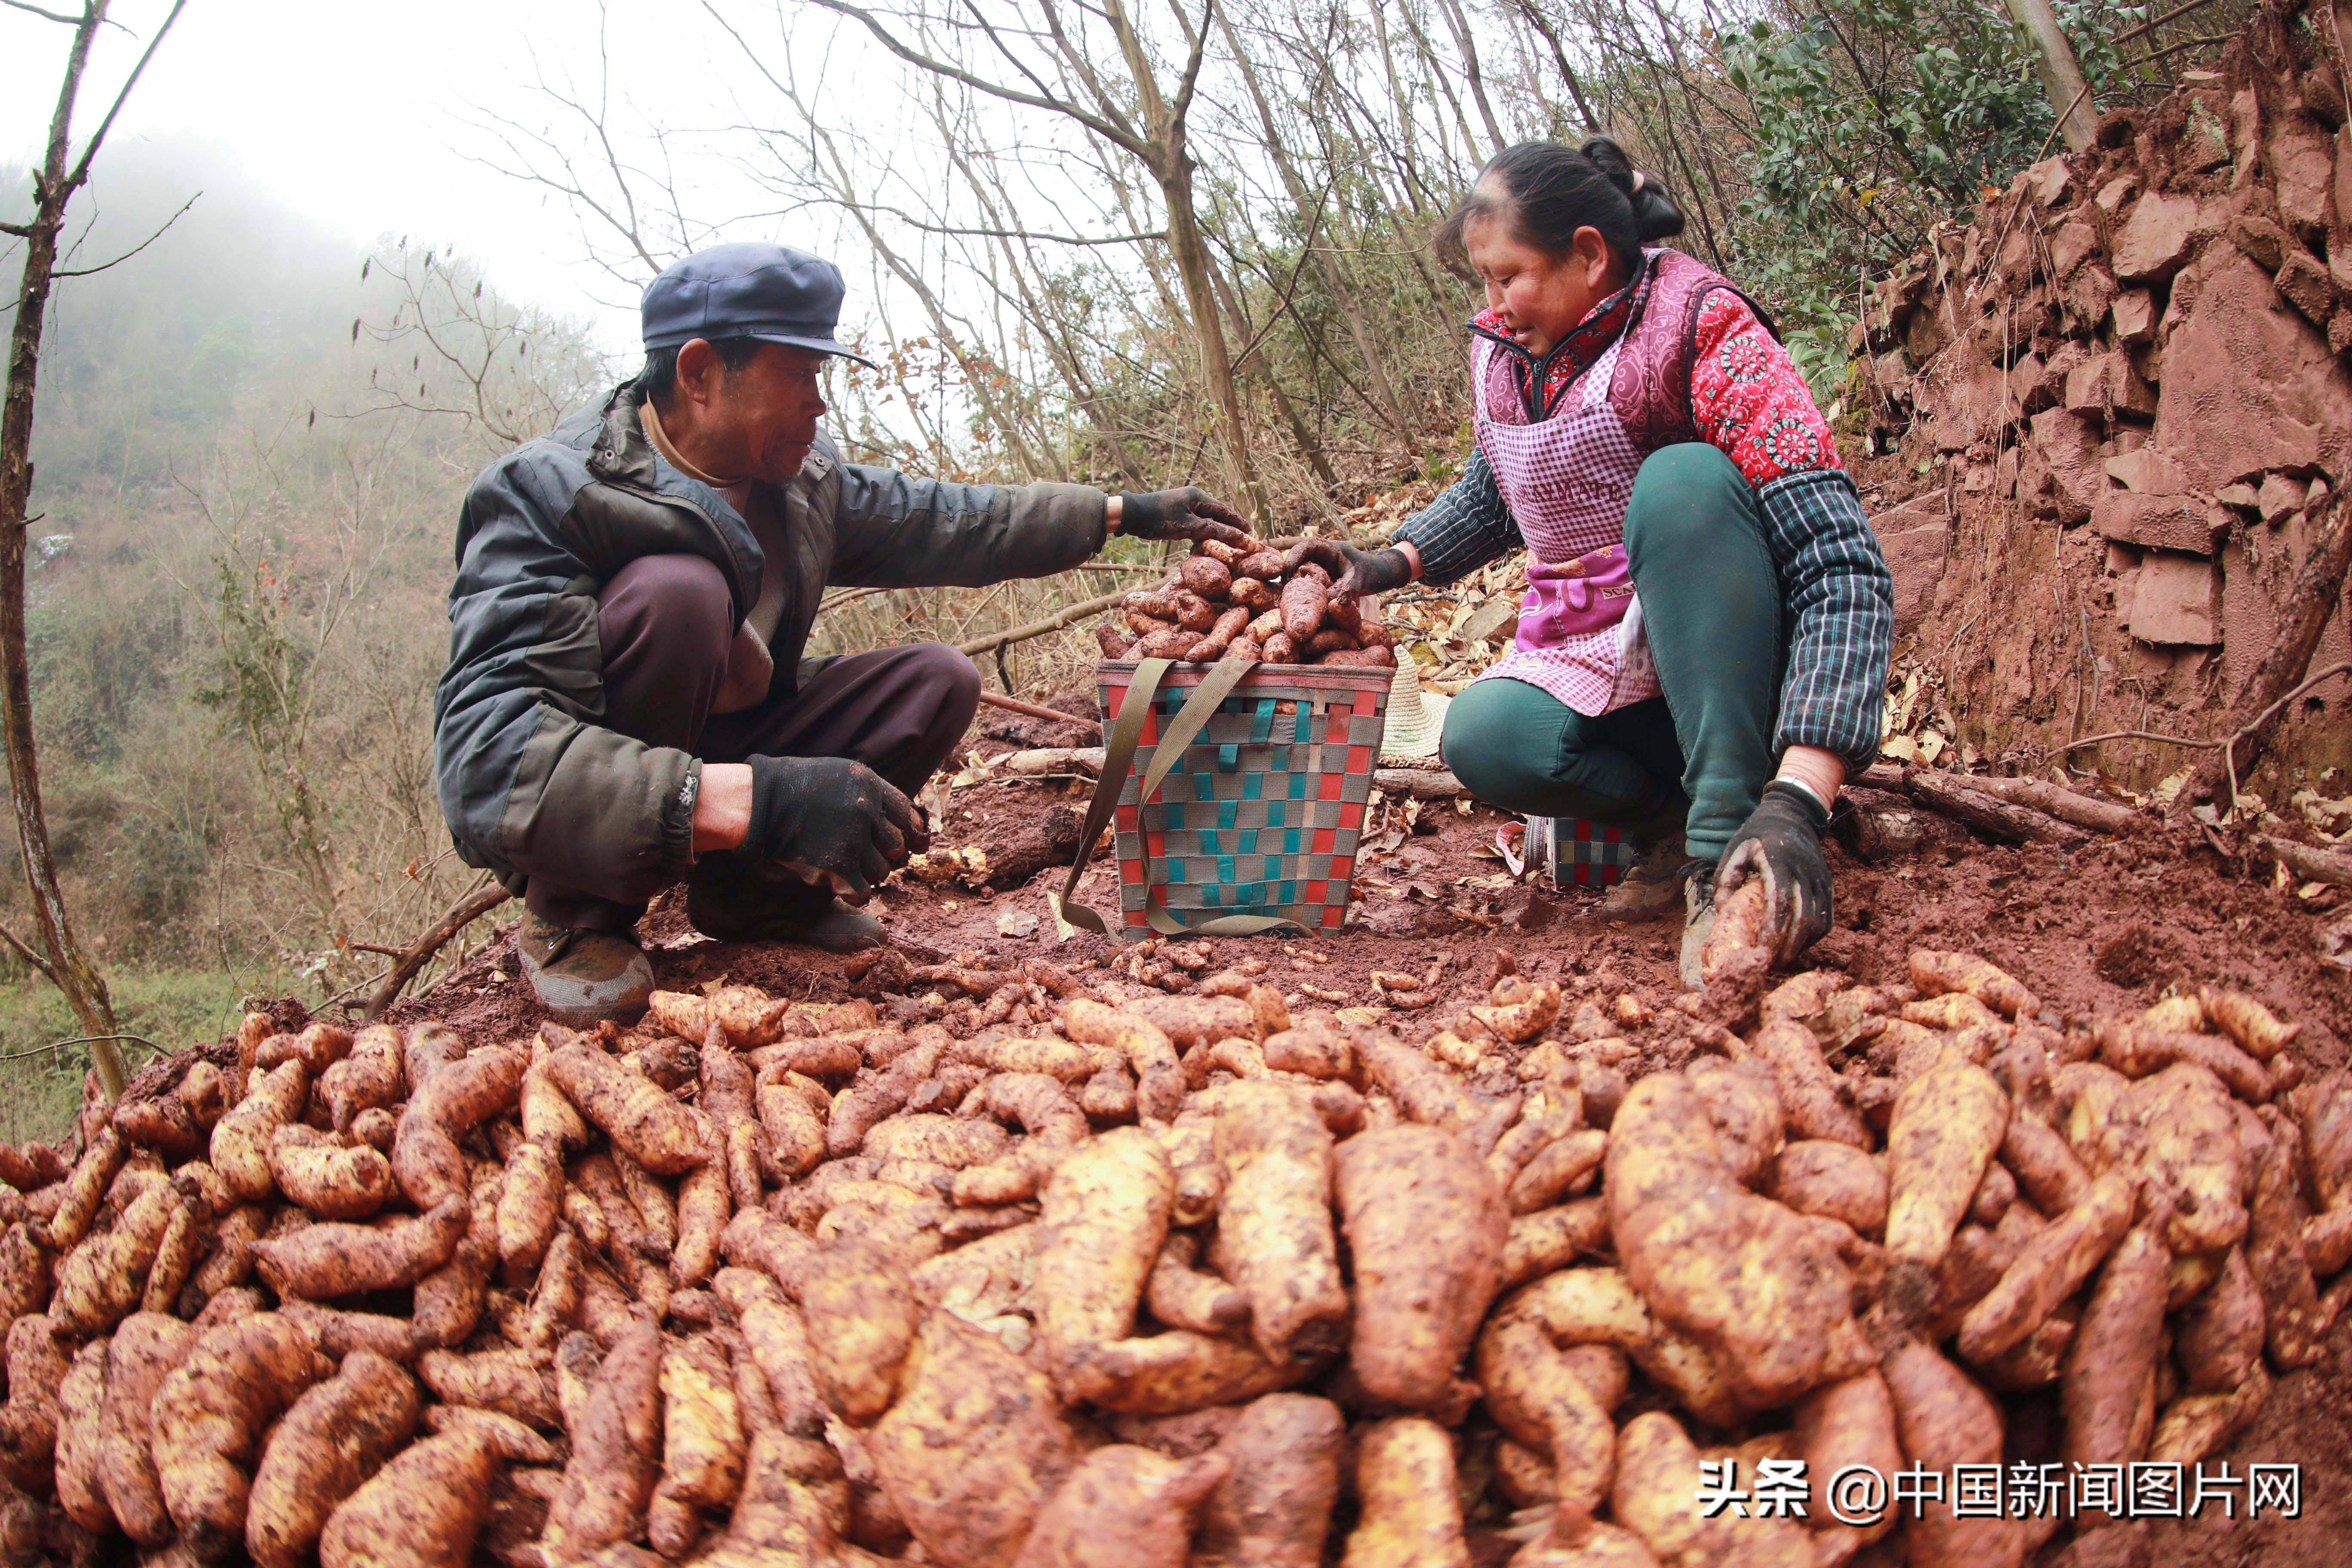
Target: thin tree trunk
{"x": 1171, "y": 166}
{"x": 61, "y": 958}
{"x": 1312, "y": 335}
{"x": 1308, "y": 447}
{"x": 1343, "y": 292}
{"x": 1437, "y": 72}
{"x": 1416, "y": 188}
{"x": 1459, "y": 25}
{"x": 1692, "y": 167}
{"x": 1216, "y": 359}
{"x": 2061, "y": 73}
{"x": 1051, "y": 329}
{"x": 1560, "y": 57}
{"x": 975, "y": 377}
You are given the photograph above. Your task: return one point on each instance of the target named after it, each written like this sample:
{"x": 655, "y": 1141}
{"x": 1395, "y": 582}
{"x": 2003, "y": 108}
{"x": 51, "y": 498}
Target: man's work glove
{"x": 1353, "y": 571}
{"x": 1781, "y": 842}
{"x": 1187, "y": 513}
{"x": 833, "y": 822}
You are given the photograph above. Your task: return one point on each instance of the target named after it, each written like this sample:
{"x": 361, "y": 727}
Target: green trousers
{"x": 1695, "y": 759}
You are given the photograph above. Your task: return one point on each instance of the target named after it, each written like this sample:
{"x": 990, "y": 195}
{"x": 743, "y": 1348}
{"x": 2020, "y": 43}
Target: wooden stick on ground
{"x": 1887, "y": 777}
{"x": 1053, "y": 760}
{"x": 1948, "y": 795}
{"x": 461, "y": 915}
{"x": 2312, "y": 865}
{"x": 1032, "y": 710}
{"x": 1421, "y": 784}
{"x": 1069, "y": 615}
{"x": 2065, "y": 805}
{"x": 1955, "y": 795}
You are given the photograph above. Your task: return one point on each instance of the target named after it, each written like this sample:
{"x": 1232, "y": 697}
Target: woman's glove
{"x": 1353, "y": 571}
{"x": 1187, "y": 513}
{"x": 834, "y": 822}
{"x": 1781, "y": 842}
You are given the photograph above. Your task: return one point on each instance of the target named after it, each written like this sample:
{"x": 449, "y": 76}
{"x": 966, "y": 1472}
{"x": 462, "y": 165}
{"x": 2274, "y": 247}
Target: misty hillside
{"x": 245, "y": 510}
{"x": 241, "y": 294}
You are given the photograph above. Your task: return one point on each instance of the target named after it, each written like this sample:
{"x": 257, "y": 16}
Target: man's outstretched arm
{"x": 899, "y": 532}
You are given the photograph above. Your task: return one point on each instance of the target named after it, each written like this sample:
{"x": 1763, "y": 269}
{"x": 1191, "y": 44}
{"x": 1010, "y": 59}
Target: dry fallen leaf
{"x": 2336, "y": 942}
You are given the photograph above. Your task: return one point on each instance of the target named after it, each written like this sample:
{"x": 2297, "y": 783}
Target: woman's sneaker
{"x": 1652, "y": 888}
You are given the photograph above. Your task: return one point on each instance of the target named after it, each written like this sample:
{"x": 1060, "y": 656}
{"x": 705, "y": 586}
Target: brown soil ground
{"x": 2101, "y": 929}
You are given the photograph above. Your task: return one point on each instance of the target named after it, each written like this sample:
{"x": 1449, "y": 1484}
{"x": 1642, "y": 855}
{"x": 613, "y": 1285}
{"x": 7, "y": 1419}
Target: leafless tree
{"x": 58, "y": 956}
{"x": 1121, "y": 101}
{"x": 471, "y": 352}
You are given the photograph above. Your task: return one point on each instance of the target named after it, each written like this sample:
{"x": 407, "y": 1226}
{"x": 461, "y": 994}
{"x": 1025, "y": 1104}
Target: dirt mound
{"x": 2118, "y": 403}
{"x": 2103, "y": 929}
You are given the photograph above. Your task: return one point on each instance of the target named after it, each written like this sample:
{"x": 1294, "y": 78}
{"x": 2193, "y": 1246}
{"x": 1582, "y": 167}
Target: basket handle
{"x": 1118, "y": 757}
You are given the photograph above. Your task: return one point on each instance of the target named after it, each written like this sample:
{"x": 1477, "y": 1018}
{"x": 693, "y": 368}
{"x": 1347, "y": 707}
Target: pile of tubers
{"x": 1249, "y": 603}
{"x": 1120, "y": 1277}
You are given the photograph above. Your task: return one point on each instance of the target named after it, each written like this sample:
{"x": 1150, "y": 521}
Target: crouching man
{"x": 626, "y": 705}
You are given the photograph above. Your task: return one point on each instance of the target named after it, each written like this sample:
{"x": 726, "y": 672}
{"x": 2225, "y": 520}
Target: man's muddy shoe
{"x": 1698, "y": 918}
{"x": 584, "y": 977}
{"x": 738, "y": 897}
{"x": 1652, "y": 888}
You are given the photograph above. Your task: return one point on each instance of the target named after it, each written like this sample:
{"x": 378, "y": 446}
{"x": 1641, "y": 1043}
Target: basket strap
{"x": 1118, "y": 758}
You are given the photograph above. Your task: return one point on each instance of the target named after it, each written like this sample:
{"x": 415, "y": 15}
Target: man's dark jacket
{"x": 530, "y": 781}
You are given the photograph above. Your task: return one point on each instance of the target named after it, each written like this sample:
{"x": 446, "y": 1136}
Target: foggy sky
{"x": 360, "y": 114}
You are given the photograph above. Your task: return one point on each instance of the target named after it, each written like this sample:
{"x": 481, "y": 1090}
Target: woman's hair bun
{"x": 1655, "y": 216}
{"x": 1605, "y": 155}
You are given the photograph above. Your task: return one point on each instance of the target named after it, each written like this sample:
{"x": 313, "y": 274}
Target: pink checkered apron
{"x": 1567, "y": 480}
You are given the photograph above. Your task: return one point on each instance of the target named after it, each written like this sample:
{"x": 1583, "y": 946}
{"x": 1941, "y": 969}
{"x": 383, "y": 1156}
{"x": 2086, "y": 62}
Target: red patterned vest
{"x": 1651, "y": 390}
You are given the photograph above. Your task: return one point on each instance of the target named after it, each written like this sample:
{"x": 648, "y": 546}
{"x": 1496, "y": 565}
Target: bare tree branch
{"x": 33, "y": 10}
{"x": 911, "y": 221}
{"x": 1192, "y": 78}
{"x": 414, "y": 957}
{"x": 1536, "y": 19}
{"x": 1101, "y": 127}
{"x": 93, "y": 271}
{"x": 17, "y": 944}
{"x": 81, "y": 170}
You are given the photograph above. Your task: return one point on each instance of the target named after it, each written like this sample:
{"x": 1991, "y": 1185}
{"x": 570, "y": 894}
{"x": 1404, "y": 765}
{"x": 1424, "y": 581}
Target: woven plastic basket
{"x": 1251, "y": 824}
{"x": 1576, "y": 852}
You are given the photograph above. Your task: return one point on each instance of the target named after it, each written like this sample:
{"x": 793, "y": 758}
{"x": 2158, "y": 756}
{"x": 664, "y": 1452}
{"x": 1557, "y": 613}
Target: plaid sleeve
{"x": 1465, "y": 528}
{"x": 1840, "y": 601}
